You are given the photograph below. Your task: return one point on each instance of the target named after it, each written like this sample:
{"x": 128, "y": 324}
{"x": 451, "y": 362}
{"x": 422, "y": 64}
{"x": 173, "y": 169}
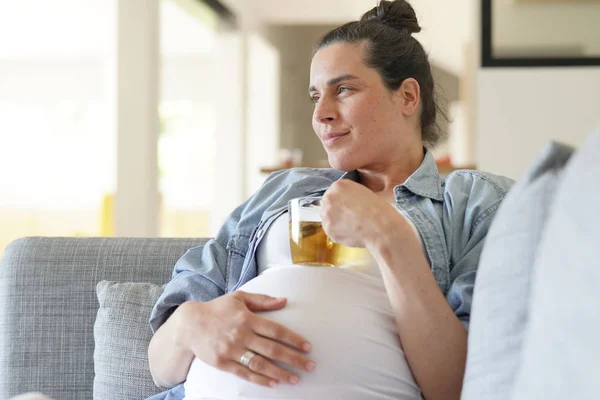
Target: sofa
{"x": 74, "y": 311}
{"x": 49, "y": 305}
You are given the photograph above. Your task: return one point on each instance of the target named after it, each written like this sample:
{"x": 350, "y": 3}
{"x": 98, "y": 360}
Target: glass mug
{"x": 309, "y": 244}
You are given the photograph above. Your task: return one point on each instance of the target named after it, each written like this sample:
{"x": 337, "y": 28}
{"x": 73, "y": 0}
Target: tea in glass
{"x": 309, "y": 244}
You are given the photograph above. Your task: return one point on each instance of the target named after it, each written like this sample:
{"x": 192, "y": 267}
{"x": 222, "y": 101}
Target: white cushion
{"x": 561, "y": 351}
{"x": 499, "y": 311}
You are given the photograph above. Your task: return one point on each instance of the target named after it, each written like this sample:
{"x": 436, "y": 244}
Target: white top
{"x": 346, "y": 315}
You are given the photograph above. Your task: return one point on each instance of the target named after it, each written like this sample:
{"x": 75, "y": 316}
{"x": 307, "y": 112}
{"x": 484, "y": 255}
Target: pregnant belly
{"x": 348, "y": 319}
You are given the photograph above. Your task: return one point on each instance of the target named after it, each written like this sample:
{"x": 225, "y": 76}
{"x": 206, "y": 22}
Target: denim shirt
{"x": 452, "y": 216}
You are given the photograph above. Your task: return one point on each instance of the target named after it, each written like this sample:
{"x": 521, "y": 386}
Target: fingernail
{"x": 310, "y": 366}
{"x": 272, "y": 384}
{"x": 294, "y": 379}
{"x": 307, "y": 346}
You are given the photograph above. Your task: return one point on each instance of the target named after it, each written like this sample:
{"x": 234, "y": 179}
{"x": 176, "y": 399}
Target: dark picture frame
{"x": 489, "y": 61}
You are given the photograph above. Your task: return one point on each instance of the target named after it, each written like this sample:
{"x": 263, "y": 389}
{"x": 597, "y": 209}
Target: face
{"x": 360, "y": 122}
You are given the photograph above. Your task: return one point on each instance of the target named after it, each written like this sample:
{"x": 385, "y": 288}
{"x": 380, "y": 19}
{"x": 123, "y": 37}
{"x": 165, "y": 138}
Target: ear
{"x": 409, "y": 96}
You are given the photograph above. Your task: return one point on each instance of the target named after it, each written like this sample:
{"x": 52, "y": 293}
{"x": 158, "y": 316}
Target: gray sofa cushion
{"x": 48, "y": 305}
{"x": 122, "y": 335}
{"x": 499, "y": 310}
{"x": 561, "y": 356}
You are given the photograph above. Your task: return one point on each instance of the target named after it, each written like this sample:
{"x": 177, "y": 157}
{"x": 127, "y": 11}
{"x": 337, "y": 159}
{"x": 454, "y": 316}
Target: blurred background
{"x": 158, "y": 117}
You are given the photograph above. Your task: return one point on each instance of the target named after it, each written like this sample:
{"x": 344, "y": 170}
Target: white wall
{"x": 55, "y": 129}
{"x": 41, "y": 80}
{"x": 546, "y": 25}
{"x": 447, "y": 27}
{"x": 247, "y": 97}
{"x": 189, "y": 77}
{"x": 229, "y": 100}
{"x": 519, "y": 110}
{"x": 262, "y": 137}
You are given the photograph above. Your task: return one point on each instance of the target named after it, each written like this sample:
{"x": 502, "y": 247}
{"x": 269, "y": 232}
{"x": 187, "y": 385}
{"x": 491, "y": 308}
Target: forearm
{"x": 433, "y": 339}
{"x": 169, "y": 361}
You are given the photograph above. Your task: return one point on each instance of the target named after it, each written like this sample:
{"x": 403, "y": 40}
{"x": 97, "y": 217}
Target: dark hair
{"x": 390, "y": 49}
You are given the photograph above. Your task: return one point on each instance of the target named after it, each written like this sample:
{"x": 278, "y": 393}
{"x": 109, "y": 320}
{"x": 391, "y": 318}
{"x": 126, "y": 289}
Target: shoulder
{"x": 478, "y": 181}
{"x": 475, "y": 195}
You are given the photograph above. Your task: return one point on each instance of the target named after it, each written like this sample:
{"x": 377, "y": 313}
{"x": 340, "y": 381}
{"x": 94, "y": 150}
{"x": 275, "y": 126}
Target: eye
{"x": 314, "y": 98}
{"x": 343, "y": 89}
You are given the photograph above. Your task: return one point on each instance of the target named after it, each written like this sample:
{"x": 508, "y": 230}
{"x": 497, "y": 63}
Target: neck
{"x": 384, "y": 177}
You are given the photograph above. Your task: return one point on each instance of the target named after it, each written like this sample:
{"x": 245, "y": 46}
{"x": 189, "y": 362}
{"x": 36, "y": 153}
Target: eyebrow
{"x": 335, "y": 81}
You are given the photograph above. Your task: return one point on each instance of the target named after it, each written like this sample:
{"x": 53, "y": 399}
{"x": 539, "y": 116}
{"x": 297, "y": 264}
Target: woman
{"x": 395, "y": 331}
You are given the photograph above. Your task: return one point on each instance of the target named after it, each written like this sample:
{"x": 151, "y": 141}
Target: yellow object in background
{"x": 107, "y": 215}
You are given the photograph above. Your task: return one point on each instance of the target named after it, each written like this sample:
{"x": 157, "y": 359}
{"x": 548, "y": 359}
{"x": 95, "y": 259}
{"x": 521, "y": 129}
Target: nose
{"x": 325, "y": 111}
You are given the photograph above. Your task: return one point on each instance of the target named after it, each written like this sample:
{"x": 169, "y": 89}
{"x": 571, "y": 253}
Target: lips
{"x": 332, "y": 137}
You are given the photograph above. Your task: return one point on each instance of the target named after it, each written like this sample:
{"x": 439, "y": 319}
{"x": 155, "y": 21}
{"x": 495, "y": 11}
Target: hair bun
{"x": 398, "y": 14}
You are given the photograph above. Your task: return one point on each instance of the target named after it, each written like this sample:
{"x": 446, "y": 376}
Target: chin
{"x": 341, "y": 163}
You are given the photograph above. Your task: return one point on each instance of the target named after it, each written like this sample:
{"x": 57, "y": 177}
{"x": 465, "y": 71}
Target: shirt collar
{"x": 425, "y": 181}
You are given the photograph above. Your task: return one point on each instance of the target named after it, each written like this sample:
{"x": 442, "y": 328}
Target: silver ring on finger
{"x": 246, "y": 358}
